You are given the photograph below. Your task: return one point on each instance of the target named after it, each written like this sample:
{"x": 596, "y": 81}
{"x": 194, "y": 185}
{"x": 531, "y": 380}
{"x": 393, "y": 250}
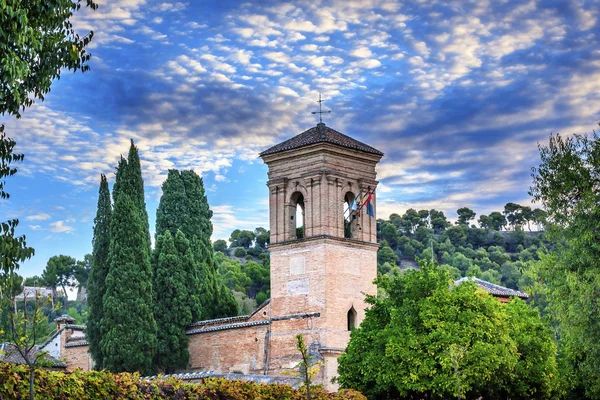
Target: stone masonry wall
{"x": 228, "y": 351}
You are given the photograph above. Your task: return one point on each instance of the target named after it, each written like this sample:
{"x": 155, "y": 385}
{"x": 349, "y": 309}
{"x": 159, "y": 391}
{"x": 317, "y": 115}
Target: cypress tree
{"x": 184, "y": 206}
{"x": 99, "y": 269}
{"x": 128, "y": 328}
{"x": 134, "y": 185}
{"x": 172, "y": 310}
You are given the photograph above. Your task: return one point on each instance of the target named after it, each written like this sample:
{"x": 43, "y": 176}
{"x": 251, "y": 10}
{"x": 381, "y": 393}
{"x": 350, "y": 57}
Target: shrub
{"x": 50, "y": 385}
{"x": 239, "y": 252}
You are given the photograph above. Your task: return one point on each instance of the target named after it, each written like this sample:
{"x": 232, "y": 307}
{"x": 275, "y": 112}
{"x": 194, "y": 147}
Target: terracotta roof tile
{"x": 493, "y": 289}
{"x": 9, "y": 353}
{"x": 320, "y": 134}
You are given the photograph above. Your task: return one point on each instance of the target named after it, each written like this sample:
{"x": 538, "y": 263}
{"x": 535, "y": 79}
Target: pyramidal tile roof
{"x": 320, "y": 134}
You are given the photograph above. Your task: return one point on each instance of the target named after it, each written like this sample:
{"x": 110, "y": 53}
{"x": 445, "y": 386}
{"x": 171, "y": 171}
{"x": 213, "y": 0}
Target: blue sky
{"x": 456, "y": 94}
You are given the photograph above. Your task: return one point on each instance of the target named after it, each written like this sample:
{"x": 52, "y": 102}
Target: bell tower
{"x": 323, "y": 253}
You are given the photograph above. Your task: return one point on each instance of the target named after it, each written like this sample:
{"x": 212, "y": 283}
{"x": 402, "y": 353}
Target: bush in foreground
{"x": 81, "y": 385}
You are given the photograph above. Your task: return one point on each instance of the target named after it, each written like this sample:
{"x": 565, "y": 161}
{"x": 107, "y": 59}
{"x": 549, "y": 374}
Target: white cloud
{"x": 38, "y": 217}
{"x": 60, "y": 227}
{"x": 361, "y": 52}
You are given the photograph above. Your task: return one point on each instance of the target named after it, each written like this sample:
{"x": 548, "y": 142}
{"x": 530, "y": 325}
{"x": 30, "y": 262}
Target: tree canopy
{"x": 423, "y": 336}
{"x": 567, "y": 184}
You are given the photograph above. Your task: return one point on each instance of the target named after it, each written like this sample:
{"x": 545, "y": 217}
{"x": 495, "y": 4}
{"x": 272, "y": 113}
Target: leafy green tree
{"x": 99, "y": 269}
{"x": 526, "y": 215}
{"x": 410, "y": 221}
{"x": 386, "y": 255}
{"x": 497, "y": 220}
{"x": 390, "y": 234}
{"x": 172, "y": 310}
{"x": 263, "y": 237}
{"x": 38, "y": 41}
{"x": 59, "y": 273}
{"x": 423, "y": 338}
{"x": 81, "y": 271}
{"x": 456, "y": 234}
{"x": 465, "y": 215}
{"x": 14, "y": 249}
{"x": 477, "y": 237}
{"x": 461, "y": 262}
{"x": 536, "y": 373}
{"x": 239, "y": 252}
{"x": 566, "y": 184}
{"x": 27, "y": 328}
{"x": 128, "y": 328}
{"x": 439, "y": 222}
{"x": 514, "y": 215}
{"x": 244, "y": 239}
{"x": 220, "y": 245}
{"x": 35, "y": 280}
{"x": 539, "y": 217}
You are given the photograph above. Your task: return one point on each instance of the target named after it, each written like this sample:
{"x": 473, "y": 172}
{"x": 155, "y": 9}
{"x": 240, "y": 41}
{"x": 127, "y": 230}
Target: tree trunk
{"x": 66, "y": 297}
{"x": 31, "y": 382}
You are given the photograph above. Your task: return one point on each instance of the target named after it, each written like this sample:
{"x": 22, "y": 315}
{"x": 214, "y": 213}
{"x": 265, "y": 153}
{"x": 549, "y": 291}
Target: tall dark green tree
{"x": 128, "y": 327}
{"x": 99, "y": 270}
{"x": 172, "y": 310}
{"x": 184, "y": 206}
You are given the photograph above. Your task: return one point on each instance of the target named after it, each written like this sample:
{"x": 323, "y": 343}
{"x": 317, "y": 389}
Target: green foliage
{"x": 307, "y": 366}
{"x": 94, "y": 385}
{"x": 34, "y": 281}
{"x": 424, "y": 338}
{"x": 184, "y": 206}
{"x": 59, "y": 272}
{"x": 239, "y": 252}
{"x": 13, "y": 250}
{"x": 465, "y": 215}
{"x": 128, "y": 328}
{"x": 263, "y": 237}
{"x": 172, "y": 308}
{"x": 566, "y": 184}
{"x": 99, "y": 270}
{"x": 36, "y": 45}
{"x": 240, "y": 238}
{"x": 245, "y": 305}
{"x": 385, "y": 254}
{"x": 82, "y": 269}
{"x": 220, "y": 245}
{"x": 26, "y": 327}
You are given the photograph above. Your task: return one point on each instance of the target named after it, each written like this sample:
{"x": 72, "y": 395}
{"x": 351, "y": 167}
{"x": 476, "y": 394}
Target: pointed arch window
{"x": 351, "y": 318}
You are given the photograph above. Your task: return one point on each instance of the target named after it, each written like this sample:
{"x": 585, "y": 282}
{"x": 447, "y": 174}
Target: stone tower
{"x": 321, "y": 266}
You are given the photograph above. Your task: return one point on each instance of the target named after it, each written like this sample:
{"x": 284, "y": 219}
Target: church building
{"x": 323, "y": 262}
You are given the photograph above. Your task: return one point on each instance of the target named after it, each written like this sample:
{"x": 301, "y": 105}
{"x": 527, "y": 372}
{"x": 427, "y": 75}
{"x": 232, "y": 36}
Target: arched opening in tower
{"x": 298, "y": 214}
{"x": 349, "y": 215}
{"x": 351, "y": 318}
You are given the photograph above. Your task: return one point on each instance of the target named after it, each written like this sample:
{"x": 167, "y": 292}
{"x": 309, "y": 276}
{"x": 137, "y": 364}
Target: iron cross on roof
{"x": 320, "y": 112}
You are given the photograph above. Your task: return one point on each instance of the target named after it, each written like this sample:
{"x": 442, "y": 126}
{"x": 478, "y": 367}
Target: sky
{"x": 457, "y": 94}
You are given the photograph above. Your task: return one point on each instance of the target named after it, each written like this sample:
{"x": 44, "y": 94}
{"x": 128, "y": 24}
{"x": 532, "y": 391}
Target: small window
{"x": 351, "y": 318}
{"x": 349, "y": 215}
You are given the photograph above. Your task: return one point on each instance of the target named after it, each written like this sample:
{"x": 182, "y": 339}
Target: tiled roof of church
{"x": 320, "y": 134}
{"x": 493, "y": 289}
{"x": 9, "y": 353}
